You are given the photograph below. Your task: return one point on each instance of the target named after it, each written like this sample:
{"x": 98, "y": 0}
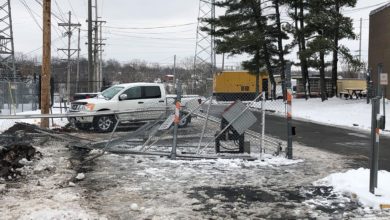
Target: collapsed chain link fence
{"x": 206, "y": 126}
{"x": 204, "y": 130}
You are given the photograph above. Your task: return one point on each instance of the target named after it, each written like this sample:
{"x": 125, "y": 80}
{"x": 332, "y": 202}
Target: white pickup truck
{"x": 122, "y": 97}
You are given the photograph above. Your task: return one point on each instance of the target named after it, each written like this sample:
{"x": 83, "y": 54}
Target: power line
{"x": 31, "y": 14}
{"x": 148, "y": 28}
{"x": 32, "y": 51}
{"x": 73, "y": 11}
{"x": 154, "y": 33}
{"x": 54, "y": 26}
{"x": 52, "y": 13}
{"x": 154, "y": 38}
{"x": 59, "y": 10}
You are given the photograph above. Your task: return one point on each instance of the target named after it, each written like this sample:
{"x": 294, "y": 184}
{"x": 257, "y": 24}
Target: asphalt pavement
{"x": 350, "y": 142}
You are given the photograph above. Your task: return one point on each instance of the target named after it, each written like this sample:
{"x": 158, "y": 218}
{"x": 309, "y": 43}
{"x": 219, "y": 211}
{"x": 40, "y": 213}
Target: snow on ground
{"x": 55, "y": 123}
{"x": 159, "y": 188}
{"x": 336, "y": 111}
{"x": 269, "y": 160}
{"x": 354, "y": 113}
{"x": 41, "y": 192}
{"x": 356, "y": 182}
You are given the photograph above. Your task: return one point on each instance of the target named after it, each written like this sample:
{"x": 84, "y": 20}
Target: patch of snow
{"x": 55, "y": 123}
{"x": 356, "y": 183}
{"x": 354, "y": 113}
{"x": 25, "y": 162}
{"x": 96, "y": 152}
{"x": 80, "y": 176}
{"x": 337, "y": 111}
{"x": 49, "y": 214}
{"x": 269, "y": 160}
{"x": 134, "y": 207}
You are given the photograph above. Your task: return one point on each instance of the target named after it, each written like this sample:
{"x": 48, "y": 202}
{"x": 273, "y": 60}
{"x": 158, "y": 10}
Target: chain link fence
{"x": 18, "y": 96}
{"x": 244, "y": 123}
{"x": 208, "y": 127}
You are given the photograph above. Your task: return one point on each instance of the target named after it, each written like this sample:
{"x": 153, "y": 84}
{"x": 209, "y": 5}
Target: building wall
{"x": 379, "y": 43}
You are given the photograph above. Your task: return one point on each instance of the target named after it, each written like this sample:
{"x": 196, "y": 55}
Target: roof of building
{"x": 380, "y": 9}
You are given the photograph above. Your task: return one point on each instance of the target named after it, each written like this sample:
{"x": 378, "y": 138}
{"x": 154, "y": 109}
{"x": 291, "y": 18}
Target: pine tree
{"x": 342, "y": 28}
{"x": 243, "y": 29}
{"x": 318, "y": 25}
{"x": 298, "y": 9}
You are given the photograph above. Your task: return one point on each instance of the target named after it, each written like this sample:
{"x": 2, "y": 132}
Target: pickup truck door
{"x": 132, "y": 102}
{"x": 153, "y": 98}
{"x": 142, "y": 98}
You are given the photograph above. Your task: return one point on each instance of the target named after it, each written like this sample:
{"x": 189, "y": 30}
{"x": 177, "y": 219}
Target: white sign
{"x": 384, "y": 79}
{"x": 245, "y": 117}
{"x": 167, "y": 123}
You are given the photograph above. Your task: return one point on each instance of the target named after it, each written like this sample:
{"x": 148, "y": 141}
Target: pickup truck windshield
{"x": 111, "y": 92}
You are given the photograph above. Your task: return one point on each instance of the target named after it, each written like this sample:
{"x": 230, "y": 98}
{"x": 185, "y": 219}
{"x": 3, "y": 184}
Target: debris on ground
{"x": 20, "y": 127}
{"x": 13, "y": 157}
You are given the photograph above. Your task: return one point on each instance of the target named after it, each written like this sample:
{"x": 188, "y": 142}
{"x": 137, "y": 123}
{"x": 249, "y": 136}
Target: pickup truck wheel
{"x": 104, "y": 123}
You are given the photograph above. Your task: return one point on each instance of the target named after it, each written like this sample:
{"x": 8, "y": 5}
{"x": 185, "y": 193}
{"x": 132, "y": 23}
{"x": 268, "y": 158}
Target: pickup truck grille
{"x": 76, "y": 106}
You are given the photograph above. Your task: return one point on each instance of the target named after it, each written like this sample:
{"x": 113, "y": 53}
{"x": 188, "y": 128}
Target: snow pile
{"x": 356, "y": 183}
{"x": 58, "y": 122}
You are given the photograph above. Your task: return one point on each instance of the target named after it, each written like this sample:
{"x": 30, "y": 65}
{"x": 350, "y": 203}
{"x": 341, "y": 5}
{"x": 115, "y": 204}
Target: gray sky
{"x": 125, "y": 42}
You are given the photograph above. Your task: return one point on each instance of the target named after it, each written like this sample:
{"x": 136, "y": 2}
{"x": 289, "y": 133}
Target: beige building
{"x": 379, "y": 43}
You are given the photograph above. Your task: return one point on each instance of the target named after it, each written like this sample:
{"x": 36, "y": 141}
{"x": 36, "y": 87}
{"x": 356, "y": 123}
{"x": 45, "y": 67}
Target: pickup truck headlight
{"x": 89, "y": 107}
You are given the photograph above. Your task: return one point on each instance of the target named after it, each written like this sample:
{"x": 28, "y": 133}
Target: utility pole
{"x": 90, "y": 55}
{"x": 78, "y": 62}
{"x": 95, "y": 49}
{"x": 69, "y": 52}
{"x": 101, "y": 56}
{"x": 360, "y": 40}
{"x": 96, "y": 45}
{"x": 98, "y": 49}
{"x": 46, "y": 70}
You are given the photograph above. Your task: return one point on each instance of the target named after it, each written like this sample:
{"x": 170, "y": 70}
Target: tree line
{"x": 114, "y": 72}
{"x": 257, "y": 28}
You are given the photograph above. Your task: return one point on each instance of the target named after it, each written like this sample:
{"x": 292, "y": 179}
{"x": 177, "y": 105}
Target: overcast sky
{"x": 125, "y": 41}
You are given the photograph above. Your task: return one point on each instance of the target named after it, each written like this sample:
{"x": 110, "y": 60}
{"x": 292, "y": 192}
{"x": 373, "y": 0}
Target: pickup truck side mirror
{"x": 122, "y": 97}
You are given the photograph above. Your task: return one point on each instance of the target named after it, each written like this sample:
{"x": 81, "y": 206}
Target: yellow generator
{"x": 234, "y": 85}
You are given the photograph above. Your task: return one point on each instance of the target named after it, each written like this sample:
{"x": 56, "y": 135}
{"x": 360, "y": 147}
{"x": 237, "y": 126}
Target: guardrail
{"x": 91, "y": 114}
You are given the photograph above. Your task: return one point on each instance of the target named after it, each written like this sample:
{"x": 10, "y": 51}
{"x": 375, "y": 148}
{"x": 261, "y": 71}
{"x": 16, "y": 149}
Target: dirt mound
{"x": 20, "y": 127}
{"x": 11, "y": 155}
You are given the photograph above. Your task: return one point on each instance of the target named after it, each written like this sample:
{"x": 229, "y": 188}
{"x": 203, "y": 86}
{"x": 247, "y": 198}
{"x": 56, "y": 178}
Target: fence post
{"x": 289, "y": 111}
{"x": 262, "y": 126}
{"x": 374, "y": 145}
{"x": 177, "y": 119}
{"x": 369, "y": 86}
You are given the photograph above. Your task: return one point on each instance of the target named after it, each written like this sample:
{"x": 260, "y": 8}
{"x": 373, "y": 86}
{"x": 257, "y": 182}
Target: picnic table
{"x": 351, "y": 92}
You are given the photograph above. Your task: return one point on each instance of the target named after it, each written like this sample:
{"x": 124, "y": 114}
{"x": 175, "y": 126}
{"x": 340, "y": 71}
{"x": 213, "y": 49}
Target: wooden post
{"x": 46, "y": 70}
